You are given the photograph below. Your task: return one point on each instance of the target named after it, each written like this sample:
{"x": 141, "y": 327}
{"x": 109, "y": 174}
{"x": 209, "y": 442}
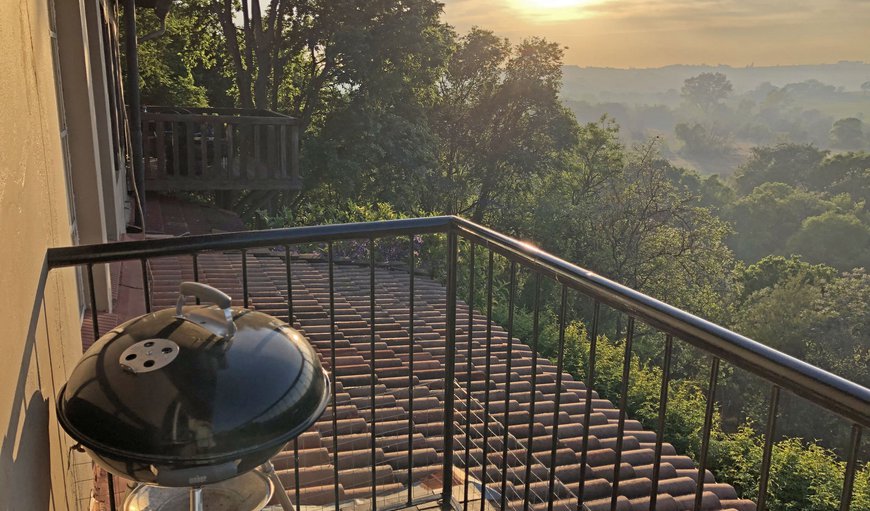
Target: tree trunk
{"x": 243, "y": 80}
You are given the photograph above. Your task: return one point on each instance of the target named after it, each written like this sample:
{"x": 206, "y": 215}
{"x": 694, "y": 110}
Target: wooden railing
{"x": 203, "y": 149}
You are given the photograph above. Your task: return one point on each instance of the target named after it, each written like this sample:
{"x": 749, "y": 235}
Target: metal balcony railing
{"x": 784, "y": 373}
{"x": 205, "y": 149}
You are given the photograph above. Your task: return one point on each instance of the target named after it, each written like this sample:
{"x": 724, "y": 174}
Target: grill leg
{"x": 269, "y": 470}
{"x": 196, "y": 499}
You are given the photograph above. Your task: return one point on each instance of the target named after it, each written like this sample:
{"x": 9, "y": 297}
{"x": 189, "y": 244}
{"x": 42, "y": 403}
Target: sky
{"x": 652, "y": 33}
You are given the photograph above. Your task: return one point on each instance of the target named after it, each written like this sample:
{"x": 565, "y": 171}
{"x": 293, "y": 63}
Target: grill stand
{"x": 269, "y": 470}
{"x": 196, "y": 502}
{"x": 153, "y": 498}
{"x": 196, "y": 498}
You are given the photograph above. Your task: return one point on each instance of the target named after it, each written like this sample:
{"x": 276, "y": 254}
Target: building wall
{"x": 40, "y": 342}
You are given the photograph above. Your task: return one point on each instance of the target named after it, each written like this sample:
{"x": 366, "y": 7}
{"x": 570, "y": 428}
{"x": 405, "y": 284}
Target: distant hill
{"x": 663, "y": 83}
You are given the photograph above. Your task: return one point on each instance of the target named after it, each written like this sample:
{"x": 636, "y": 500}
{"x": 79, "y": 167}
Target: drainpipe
{"x": 135, "y": 118}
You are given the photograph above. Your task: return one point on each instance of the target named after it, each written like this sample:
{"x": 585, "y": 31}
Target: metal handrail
{"x": 844, "y": 397}
{"x": 841, "y": 396}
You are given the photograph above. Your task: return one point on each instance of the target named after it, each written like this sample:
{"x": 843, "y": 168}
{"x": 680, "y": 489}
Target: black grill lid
{"x": 166, "y": 387}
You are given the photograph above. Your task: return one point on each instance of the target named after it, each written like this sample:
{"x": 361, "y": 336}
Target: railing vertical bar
{"x": 92, "y": 292}
{"x": 245, "y": 295}
{"x": 486, "y": 377}
{"x": 769, "y": 433}
{"x": 560, "y": 364}
{"x": 705, "y": 439}
{"x": 587, "y": 413}
{"x": 331, "y": 263}
{"x": 195, "y": 258}
{"x": 468, "y": 355}
{"x": 146, "y": 291}
{"x": 660, "y": 430}
{"x": 110, "y": 481}
{"x": 851, "y": 468}
{"x": 411, "y": 346}
{"x": 507, "y": 387}
{"x": 536, "y": 314}
{"x": 449, "y": 383}
{"x": 289, "y": 274}
{"x": 372, "y": 334}
{"x": 623, "y": 405}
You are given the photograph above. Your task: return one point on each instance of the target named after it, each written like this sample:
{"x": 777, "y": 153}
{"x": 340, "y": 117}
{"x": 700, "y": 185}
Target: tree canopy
{"x": 706, "y": 90}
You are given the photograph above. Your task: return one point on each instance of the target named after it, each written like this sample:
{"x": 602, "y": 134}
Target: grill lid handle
{"x": 209, "y": 294}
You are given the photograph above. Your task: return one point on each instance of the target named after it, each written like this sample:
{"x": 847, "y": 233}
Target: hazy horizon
{"x": 639, "y": 34}
{"x": 710, "y": 64}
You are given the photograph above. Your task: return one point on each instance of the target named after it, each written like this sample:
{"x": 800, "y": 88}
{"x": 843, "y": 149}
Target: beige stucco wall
{"x": 40, "y": 341}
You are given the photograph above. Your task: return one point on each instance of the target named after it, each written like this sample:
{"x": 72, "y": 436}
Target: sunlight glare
{"x": 552, "y": 10}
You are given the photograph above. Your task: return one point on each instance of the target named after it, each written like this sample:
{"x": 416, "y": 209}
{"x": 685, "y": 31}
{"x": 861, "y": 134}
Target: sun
{"x": 552, "y": 10}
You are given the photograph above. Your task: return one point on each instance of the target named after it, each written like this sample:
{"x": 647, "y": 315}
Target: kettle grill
{"x": 194, "y": 400}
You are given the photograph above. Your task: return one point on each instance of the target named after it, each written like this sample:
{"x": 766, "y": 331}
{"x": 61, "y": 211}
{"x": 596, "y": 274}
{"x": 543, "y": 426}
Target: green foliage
{"x": 820, "y": 319}
{"x": 325, "y": 212}
{"x": 499, "y": 125}
{"x": 765, "y": 219}
{"x": 626, "y": 214}
{"x": 847, "y": 173}
{"x": 802, "y": 476}
{"x": 167, "y": 64}
{"x": 841, "y": 240}
{"x": 791, "y": 164}
{"x": 841, "y": 327}
{"x": 774, "y": 270}
{"x": 760, "y": 315}
{"x": 848, "y": 134}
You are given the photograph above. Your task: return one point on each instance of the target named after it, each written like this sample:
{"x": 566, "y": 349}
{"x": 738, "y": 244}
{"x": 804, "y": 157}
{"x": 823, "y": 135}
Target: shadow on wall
{"x": 25, "y": 471}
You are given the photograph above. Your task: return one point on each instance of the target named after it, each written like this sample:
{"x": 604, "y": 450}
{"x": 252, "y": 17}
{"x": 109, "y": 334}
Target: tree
{"x": 765, "y": 219}
{"x": 701, "y": 142}
{"x": 776, "y": 315}
{"x": 619, "y": 213}
{"x": 841, "y": 326}
{"x": 866, "y": 87}
{"x": 500, "y": 125}
{"x": 848, "y": 133}
{"x": 167, "y": 64}
{"x": 706, "y": 90}
{"x": 297, "y": 55}
{"x": 847, "y": 173}
{"x": 838, "y": 239}
{"x": 774, "y": 270}
{"x": 791, "y": 164}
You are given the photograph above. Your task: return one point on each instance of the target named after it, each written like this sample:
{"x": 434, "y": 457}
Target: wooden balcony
{"x": 209, "y": 149}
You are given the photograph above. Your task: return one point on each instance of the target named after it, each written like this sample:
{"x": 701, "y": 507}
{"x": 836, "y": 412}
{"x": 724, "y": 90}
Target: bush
{"x": 803, "y": 477}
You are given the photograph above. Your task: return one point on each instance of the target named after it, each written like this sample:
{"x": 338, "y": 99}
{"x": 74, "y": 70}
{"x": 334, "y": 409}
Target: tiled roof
{"x": 352, "y": 374}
